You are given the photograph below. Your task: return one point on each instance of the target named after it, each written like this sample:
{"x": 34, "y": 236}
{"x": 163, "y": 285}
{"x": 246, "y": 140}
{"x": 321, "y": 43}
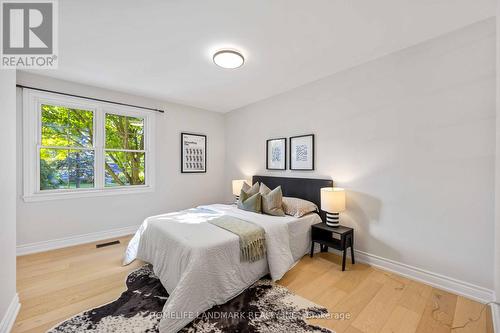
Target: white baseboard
{"x": 495, "y": 313}
{"x": 10, "y": 316}
{"x": 455, "y": 286}
{"x": 74, "y": 240}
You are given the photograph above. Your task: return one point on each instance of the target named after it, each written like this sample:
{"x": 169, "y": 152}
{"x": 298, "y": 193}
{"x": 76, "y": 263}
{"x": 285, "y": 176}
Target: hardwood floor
{"x": 55, "y": 285}
{"x": 379, "y": 301}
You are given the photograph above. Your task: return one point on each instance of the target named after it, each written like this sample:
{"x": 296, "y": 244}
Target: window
{"x": 75, "y": 147}
{"x": 125, "y": 154}
{"x": 67, "y": 148}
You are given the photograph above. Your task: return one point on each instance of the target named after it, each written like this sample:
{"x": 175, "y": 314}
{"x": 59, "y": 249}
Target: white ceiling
{"x": 163, "y": 49}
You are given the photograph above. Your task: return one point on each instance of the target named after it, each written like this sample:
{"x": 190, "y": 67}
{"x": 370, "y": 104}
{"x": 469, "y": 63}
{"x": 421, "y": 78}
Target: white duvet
{"x": 199, "y": 263}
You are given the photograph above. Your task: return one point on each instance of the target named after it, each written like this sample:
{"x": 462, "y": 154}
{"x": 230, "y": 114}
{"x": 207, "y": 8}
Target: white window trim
{"x": 32, "y": 99}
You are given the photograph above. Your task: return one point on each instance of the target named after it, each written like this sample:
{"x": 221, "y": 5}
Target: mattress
{"x": 198, "y": 263}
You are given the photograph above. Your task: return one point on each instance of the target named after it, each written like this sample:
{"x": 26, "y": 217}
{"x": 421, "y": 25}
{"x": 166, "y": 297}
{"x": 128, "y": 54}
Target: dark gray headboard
{"x": 304, "y": 188}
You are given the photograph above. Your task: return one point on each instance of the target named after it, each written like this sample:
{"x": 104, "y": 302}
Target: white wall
{"x": 42, "y": 221}
{"x": 411, "y": 136}
{"x": 497, "y": 170}
{"x": 7, "y": 191}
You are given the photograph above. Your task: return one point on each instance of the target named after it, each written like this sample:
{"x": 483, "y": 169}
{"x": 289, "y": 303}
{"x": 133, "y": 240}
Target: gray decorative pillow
{"x": 298, "y": 207}
{"x": 251, "y": 190}
{"x": 272, "y": 201}
{"x": 250, "y": 203}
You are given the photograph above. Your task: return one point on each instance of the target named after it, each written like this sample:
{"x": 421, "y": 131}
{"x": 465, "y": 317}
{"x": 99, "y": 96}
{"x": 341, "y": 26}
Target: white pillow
{"x": 298, "y": 207}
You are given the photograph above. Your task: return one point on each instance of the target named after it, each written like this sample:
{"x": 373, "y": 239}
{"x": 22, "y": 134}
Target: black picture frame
{"x": 292, "y": 167}
{"x": 202, "y": 156}
{"x": 285, "y": 153}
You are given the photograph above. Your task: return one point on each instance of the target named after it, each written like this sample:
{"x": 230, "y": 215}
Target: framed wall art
{"x": 302, "y": 152}
{"x": 276, "y": 154}
{"x": 193, "y": 153}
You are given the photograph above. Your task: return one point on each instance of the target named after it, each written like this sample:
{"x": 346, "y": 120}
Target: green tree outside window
{"x": 125, "y": 155}
{"x": 67, "y": 152}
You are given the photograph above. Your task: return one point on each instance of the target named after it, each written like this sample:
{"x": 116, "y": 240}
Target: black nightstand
{"x": 323, "y": 235}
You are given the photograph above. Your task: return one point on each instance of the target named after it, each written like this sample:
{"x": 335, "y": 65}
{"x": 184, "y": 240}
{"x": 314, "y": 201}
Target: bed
{"x": 199, "y": 263}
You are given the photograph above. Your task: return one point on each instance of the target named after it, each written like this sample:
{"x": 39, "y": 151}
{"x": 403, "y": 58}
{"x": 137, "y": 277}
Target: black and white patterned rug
{"x": 264, "y": 307}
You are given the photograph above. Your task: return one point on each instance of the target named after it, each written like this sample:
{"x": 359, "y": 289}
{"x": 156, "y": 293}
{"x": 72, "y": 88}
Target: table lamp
{"x": 237, "y": 185}
{"x": 332, "y": 202}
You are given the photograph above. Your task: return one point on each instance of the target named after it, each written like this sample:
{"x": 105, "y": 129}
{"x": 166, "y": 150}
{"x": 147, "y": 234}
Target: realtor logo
{"x": 29, "y": 36}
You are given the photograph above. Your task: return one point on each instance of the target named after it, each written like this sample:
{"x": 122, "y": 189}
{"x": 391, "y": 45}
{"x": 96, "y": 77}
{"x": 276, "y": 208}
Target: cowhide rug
{"x": 264, "y": 307}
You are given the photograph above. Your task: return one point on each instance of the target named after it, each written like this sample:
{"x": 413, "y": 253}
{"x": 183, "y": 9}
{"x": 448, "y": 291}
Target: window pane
{"x": 124, "y": 132}
{"x": 54, "y": 126}
{"x": 80, "y": 129}
{"x": 63, "y": 169}
{"x": 81, "y": 168}
{"x": 53, "y": 169}
{"x": 66, "y": 127}
{"x": 124, "y": 168}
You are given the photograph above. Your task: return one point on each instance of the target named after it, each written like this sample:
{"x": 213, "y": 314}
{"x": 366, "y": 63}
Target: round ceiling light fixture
{"x": 228, "y": 59}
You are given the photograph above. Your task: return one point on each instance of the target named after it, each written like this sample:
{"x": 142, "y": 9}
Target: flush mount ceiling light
{"x": 228, "y": 59}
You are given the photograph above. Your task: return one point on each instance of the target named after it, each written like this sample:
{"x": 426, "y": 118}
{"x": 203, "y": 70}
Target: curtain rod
{"x": 91, "y": 98}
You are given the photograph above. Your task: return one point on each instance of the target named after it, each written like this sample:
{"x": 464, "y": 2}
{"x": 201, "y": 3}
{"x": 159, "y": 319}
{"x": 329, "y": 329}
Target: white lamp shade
{"x": 237, "y": 185}
{"x": 332, "y": 199}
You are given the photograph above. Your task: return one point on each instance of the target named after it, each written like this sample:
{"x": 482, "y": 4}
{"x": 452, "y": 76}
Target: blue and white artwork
{"x": 302, "y": 152}
{"x": 276, "y": 154}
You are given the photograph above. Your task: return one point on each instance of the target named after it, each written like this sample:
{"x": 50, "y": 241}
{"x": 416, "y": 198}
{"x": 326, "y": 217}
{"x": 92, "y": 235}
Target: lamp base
{"x": 237, "y": 198}
{"x": 332, "y": 219}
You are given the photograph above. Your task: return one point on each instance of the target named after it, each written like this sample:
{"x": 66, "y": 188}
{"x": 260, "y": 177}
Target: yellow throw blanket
{"x": 252, "y": 237}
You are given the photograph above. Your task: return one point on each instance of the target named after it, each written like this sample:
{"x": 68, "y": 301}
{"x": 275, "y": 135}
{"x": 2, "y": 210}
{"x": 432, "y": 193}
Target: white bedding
{"x": 199, "y": 263}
